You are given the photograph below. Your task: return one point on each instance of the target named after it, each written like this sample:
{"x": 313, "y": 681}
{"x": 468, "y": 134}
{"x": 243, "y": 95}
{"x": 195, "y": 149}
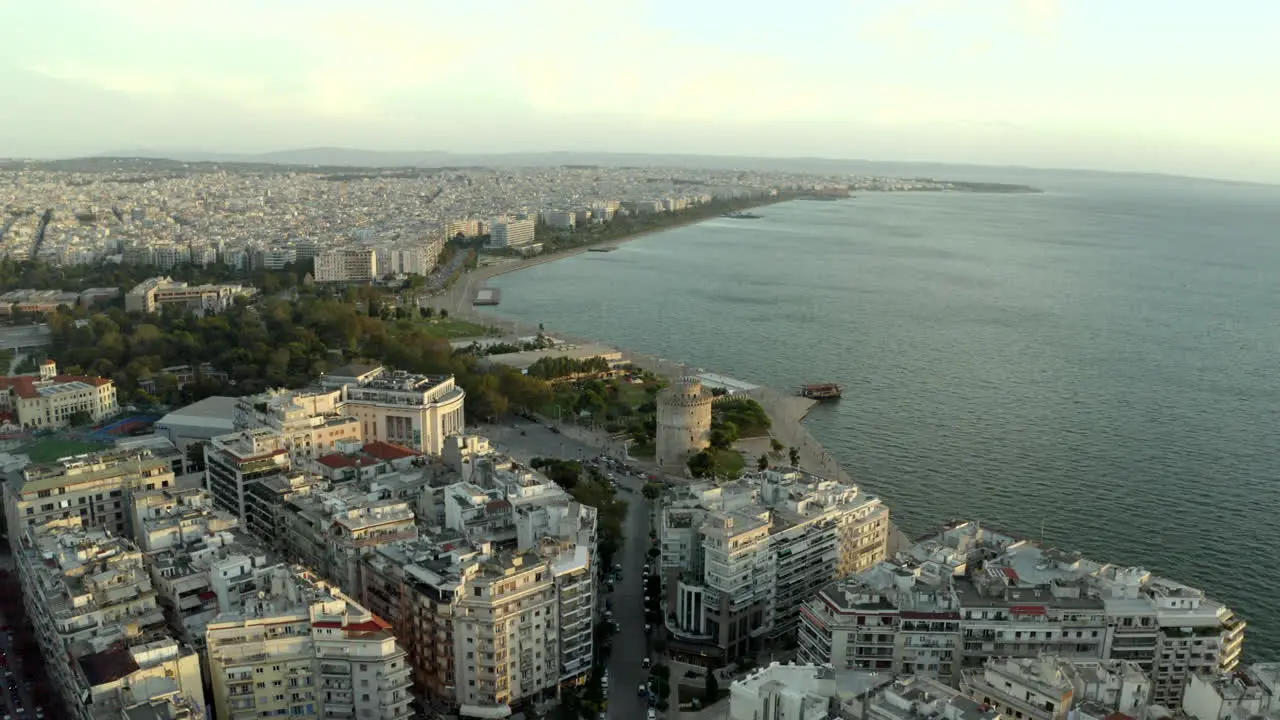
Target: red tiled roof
{"x": 1011, "y": 574}
{"x": 24, "y": 386}
{"x": 388, "y": 451}
{"x": 336, "y": 460}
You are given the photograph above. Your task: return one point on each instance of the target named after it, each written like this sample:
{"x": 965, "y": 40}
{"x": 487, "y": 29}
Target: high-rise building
{"x": 302, "y": 648}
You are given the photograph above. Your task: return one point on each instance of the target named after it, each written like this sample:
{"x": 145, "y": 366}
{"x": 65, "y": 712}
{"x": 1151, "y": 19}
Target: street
{"x": 630, "y": 646}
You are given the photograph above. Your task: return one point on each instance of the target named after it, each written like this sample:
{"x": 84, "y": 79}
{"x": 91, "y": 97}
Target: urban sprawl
{"x": 360, "y": 547}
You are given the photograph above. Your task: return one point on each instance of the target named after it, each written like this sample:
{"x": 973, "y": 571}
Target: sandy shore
{"x": 786, "y": 410}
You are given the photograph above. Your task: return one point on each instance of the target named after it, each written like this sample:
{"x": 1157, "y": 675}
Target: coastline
{"x": 787, "y": 412}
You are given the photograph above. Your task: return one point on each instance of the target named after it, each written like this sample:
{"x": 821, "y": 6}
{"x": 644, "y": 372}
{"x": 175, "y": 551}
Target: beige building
{"x": 415, "y": 411}
{"x": 93, "y": 489}
{"x": 741, "y": 558}
{"x": 347, "y": 264}
{"x": 150, "y": 295}
{"x": 301, "y": 648}
{"x": 310, "y": 422}
{"x": 53, "y": 401}
{"x": 95, "y": 614}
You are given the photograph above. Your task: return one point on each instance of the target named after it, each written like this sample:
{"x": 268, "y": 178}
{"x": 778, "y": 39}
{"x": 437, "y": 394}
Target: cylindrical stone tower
{"x": 684, "y": 424}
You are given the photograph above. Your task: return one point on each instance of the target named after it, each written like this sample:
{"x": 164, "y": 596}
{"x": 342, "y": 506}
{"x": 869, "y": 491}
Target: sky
{"x": 1185, "y": 87}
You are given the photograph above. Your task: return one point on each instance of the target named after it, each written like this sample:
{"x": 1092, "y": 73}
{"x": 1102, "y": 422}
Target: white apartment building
{"x": 419, "y": 259}
{"x": 1019, "y": 600}
{"x": 96, "y": 617}
{"x": 895, "y": 618}
{"x": 510, "y": 233}
{"x": 784, "y": 692}
{"x": 1248, "y": 692}
{"x": 53, "y": 401}
{"x": 93, "y": 489}
{"x": 415, "y": 411}
{"x": 301, "y": 648}
{"x": 149, "y": 295}
{"x": 347, "y": 264}
{"x": 742, "y": 557}
{"x": 1023, "y": 688}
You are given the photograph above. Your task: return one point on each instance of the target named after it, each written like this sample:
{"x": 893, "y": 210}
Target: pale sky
{"x": 1182, "y": 86}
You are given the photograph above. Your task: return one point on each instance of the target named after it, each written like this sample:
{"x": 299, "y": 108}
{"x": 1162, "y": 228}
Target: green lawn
{"x": 49, "y": 449}
{"x": 728, "y": 462}
{"x": 452, "y": 328}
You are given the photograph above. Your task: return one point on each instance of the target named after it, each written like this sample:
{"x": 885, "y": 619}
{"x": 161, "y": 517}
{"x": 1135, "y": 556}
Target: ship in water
{"x": 821, "y": 391}
{"x": 742, "y": 216}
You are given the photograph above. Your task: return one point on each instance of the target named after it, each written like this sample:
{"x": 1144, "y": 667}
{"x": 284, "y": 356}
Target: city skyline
{"x": 1021, "y": 82}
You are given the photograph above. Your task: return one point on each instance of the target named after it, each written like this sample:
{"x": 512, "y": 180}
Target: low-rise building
{"x": 150, "y": 295}
{"x": 302, "y": 648}
{"x": 784, "y": 692}
{"x": 50, "y": 400}
{"x": 1029, "y": 688}
{"x": 1248, "y": 692}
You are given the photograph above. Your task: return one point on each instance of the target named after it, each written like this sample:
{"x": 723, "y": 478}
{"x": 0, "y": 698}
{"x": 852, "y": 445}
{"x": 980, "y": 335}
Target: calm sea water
{"x": 1098, "y": 365}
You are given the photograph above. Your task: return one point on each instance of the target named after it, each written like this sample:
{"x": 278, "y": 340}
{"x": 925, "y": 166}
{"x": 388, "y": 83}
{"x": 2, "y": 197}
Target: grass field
{"x": 452, "y": 328}
{"x": 49, "y": 449}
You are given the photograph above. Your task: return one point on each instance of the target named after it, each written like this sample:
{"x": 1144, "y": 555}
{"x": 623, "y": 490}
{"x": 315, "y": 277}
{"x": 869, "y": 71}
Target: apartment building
{"x": 511, "y": 233}
{"x": 330, "y": 530}
{"x": 1018, "y": 600}
{"x": 416, "y": 259}
{"x": 414, "y": 411}
{"x": 741, "y": 558}
{"x": 1023, "y": 688}
{"x": 1247, "y": 692}
{"x": 784, "y": 692}
{"x": 50, "y": 401}
{"x": 93, "y": 489}
{"x": 347, "y": 264}
{"x": 913, "y": 697}
{"x": 95, "y": 615}
{"x": 895, "y": 618}
{"x": 150, "y": 295}
{"x": 236, "y": 462}
{"x": 302, "y": 648}
{"x": 311, "y": 423}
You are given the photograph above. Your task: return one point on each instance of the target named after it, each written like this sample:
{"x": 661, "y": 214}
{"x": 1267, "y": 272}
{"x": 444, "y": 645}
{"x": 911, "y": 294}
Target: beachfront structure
{"x": 95, "y": 616}
{"x": 742, "y": 557}
{"x": 414, "y": 411}
{"x": 1016, "y": 599}
{"x": 510, "y": 233}
{"x": 683, "y": 424}
{"x": 347, "y": 264}
{"x": 50, "y": 401}
{"x": 93, "y": 488}
{"x": 150, "y": 295}
{"x": 302, "y": 648}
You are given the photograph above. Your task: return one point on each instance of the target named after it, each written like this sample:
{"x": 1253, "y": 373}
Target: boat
{"x": 821, "y": 391}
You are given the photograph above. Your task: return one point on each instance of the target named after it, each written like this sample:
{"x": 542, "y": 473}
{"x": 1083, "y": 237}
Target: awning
{"x": 497, "y": 712}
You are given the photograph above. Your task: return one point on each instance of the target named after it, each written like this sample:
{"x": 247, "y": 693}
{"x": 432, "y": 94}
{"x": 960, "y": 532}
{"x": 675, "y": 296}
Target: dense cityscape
{"x": 330, "y": 497}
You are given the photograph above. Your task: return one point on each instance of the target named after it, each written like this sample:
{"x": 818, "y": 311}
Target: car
{"x": 646, "y": 663}
{"x": 653, "y": 714}
{"x": 643, "y": 691}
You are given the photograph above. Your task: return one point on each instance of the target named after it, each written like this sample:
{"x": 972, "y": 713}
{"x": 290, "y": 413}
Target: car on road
{"x": 653, "y": 714}
{"x": 642, "y": 692}
{"x": 646, "y": 663}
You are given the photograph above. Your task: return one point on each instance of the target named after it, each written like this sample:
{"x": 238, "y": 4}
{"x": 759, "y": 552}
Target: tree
{"x": 702, "y": 465}
{"x": 444, "y": 313}
{"x": 794, "y": 454}
{"x": 651, "y": 491}
{"x": 763, "y": 463}
{"x": 712, "y": 688}
{"x": 775, "y": 447}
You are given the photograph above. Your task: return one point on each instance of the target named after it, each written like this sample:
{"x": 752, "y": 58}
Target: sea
{"x": 1096, "y": 366}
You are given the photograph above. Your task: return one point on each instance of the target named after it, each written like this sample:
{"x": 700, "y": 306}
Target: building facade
{"x": 52, "y": 401}
{"x": 347, "y": 264}
{"x": 415, "y": 411}
{"x": 508, "y": 233}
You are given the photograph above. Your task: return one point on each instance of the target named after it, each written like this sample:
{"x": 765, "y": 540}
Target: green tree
{"x": 702, "y": 465}
{"x": 775, "y": 447}
{"x": 762, "y": 464}
{"x": 651, "y": 491}
{"x": 794, "y": 454}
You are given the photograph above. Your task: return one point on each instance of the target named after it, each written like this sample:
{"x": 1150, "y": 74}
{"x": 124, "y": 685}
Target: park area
{"x": 49, "y": 449}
